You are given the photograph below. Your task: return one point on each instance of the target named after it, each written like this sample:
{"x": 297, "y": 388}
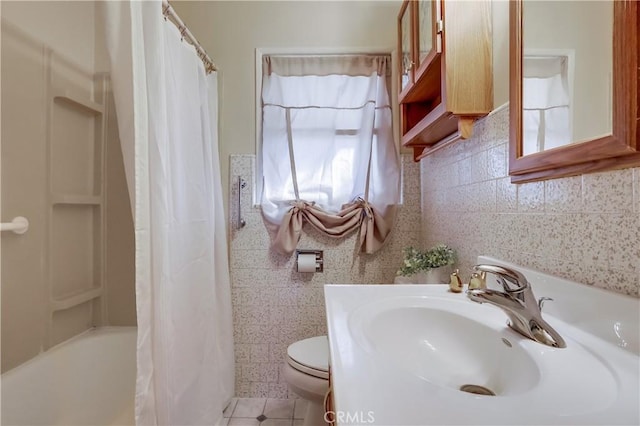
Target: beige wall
{"x": 67, "y": 25}
{"x": 63, "y": 253}
{"x": 583, "y": 228}
{"x": 230, "y": 31}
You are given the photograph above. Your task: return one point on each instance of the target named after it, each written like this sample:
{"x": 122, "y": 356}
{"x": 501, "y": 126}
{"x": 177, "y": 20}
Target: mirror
{"x": 566, "y": 72}
{"x": 574, "y": 87}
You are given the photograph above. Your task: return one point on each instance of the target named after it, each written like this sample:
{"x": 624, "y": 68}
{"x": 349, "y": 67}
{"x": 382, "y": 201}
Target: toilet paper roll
{"x": 306, "y": 263}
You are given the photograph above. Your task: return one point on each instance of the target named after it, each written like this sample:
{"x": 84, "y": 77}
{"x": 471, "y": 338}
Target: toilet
{"x": 306, "y": 371}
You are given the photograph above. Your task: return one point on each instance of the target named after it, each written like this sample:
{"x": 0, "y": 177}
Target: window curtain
{"x": 546, "y": 102}
{"x": 167, "y": 116}
{"x": 328, "y": 153}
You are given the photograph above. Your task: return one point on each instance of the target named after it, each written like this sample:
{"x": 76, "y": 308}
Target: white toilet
{"x": 306, "y": 371}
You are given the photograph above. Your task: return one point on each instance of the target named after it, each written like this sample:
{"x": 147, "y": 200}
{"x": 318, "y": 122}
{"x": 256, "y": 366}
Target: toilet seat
{"x": 310, "y": 356}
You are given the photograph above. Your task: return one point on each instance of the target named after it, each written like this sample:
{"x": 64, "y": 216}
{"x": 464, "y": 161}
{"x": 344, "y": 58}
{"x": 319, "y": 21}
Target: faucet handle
{"x": 478, "y": 280}
{"x": 542, "y": 300}
{"x": 455, "y": 283}
{"x": 512, "y": 281}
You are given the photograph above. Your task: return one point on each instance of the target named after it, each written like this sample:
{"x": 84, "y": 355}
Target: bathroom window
{"x": 327, "y": 142}
{"x": 546, "y": 103}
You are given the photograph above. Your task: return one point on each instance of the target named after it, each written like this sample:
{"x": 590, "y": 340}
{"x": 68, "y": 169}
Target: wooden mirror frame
{"x": 619, "y": 150}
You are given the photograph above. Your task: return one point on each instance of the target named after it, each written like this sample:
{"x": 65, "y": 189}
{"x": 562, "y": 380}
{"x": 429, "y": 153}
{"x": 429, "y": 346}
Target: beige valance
{"x": 374, "y": 226}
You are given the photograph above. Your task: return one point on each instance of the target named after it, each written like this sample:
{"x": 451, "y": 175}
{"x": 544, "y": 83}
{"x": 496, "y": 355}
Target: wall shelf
{"x": 436, "y": 147}
{"x": 75, "y": 299}
{"x": 57, "y": 199}
{"x": 86, "y": 104}
{"x": 76, "y": 129}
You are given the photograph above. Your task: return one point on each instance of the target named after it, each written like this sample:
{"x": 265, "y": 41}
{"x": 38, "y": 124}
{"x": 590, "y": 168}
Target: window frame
{"x": 259, "y": 52}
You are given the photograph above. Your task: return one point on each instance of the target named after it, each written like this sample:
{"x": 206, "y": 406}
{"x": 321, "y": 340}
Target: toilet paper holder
{"x": 319, "y": 258}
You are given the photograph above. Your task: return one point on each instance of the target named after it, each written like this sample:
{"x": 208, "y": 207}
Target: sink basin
{"x": 452, "y": 343}
{"x": 419, "y": 354}
{"x": 440, "y": 346}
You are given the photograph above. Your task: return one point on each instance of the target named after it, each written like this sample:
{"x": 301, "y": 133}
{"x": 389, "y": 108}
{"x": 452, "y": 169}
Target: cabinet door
{"x": 427, "y": 46}
{"x": 405, "y": 38}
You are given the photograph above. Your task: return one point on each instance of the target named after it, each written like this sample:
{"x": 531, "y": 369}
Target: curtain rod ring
{"x": 165, "y": 11}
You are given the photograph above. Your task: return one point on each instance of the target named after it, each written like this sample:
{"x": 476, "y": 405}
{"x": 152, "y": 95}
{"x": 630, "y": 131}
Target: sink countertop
{"x": 592, "y": 382}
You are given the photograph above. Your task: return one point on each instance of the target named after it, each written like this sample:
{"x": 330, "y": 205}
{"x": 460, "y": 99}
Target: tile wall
{"x": 274, "y": 306}
{"x": 583, "y": 228}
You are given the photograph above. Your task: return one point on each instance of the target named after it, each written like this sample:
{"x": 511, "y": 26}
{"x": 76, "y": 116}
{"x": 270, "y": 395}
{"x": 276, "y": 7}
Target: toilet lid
{"x": 310, "y": 356}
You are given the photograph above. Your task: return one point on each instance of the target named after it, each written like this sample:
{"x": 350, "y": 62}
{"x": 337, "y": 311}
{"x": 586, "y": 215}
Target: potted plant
{"x": 423, "y": 267}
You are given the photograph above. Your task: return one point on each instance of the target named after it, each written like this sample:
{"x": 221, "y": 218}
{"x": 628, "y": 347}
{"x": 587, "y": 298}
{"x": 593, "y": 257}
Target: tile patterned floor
{"x": 265, "y": 412}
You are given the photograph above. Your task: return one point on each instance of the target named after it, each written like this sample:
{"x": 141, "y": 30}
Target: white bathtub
{"x": 88, "y": 380}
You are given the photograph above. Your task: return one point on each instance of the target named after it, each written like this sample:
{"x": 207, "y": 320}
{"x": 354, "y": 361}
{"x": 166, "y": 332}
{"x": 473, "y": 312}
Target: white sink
{"x": 403, "y": 352}
{"x": 427, "y": 338}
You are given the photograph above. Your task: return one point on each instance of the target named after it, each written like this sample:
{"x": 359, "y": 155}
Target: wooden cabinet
{"x": 446, "y": 73}
{"x": 419, "y": 42}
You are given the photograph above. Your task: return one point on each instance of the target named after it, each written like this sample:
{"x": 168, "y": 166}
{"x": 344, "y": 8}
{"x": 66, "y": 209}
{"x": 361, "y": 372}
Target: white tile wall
{"x": 584, "y": 228}
{"x": 273, "y": 306}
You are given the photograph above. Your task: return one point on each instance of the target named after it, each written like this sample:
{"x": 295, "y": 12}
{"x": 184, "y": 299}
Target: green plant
{"x": 416, "y": 260}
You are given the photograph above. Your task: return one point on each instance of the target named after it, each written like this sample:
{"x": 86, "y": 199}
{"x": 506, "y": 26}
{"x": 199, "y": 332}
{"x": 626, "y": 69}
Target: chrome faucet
{"x": 519, "y": 303}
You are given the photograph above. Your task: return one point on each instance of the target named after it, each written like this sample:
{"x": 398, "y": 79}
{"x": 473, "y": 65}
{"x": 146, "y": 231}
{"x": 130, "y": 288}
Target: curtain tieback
{"x": 367, "y": 209}
{"x": 299, "y": 205}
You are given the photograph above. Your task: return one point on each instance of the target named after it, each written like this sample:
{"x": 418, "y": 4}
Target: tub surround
{"x": 584, "y": 228}
{"x": 65, "y": 177}
{"x": 273, "y": 305}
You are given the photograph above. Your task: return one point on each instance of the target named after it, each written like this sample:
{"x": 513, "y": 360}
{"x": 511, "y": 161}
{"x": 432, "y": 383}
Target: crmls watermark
{"x": 350, "y": 417}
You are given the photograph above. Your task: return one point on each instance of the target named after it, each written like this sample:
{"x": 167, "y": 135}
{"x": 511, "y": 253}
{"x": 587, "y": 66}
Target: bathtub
{"x": 87, "y": 380}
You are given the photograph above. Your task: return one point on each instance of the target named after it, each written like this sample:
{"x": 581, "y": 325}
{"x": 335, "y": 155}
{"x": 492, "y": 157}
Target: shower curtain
{"x": 167, "y": 113}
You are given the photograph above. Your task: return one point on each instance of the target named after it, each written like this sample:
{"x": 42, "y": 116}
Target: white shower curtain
{"x": 167, "y": 113}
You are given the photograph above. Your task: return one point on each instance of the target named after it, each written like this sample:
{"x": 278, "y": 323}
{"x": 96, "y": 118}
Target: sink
{"x": 449, "y": 342}
{"x": 425, "y": 337}
{"x": 419, "y": 354}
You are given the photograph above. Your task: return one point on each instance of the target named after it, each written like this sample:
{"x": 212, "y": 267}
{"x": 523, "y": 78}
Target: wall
{"x": 274, "y": 306}
{"x": 583, "y": 228}
{"x": 71, "y": 32}
{"x": 230, "y": 31}
{"x": 63, "y": 251}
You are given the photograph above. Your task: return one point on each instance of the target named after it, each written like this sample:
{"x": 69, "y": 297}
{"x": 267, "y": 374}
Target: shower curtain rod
{"x": 170, "y": 13}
